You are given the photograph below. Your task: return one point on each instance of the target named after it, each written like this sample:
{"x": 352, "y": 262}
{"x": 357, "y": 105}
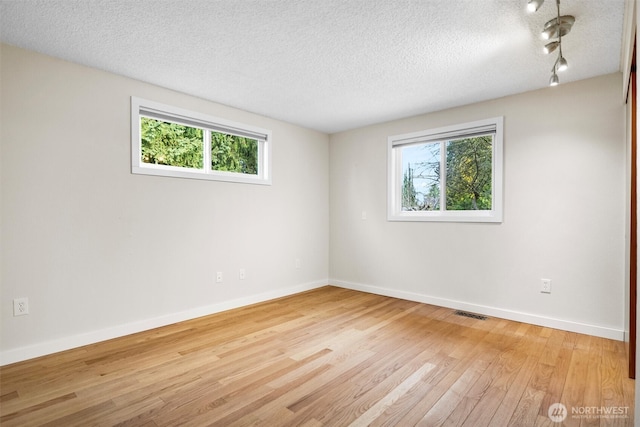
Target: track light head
{"x": 562, "y": 64}
{"x": 554, "y": 81}
{"x": 550, "y": 47}
{"x": 534, "y": 5}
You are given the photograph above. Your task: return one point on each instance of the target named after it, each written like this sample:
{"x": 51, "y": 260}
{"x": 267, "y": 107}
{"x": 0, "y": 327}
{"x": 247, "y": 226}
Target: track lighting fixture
{"x": 557, "y": 27}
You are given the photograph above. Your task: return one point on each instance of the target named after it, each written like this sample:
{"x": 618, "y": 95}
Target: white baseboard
{"x": 55, "y": 346}
{"x": 565, "y": 325}
{"x": 62, "y": 344}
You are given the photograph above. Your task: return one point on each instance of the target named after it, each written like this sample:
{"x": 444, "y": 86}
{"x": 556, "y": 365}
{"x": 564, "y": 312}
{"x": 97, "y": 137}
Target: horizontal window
{"x": 447, "y": 174}
{"x": 169, "y": 141}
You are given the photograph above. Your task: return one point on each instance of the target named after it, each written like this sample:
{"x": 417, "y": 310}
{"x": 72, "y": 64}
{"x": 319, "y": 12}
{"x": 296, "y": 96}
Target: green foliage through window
{"x": 468, "y": 175}
{"x": 233, "y": 153}
{"x": 171, "y": 144}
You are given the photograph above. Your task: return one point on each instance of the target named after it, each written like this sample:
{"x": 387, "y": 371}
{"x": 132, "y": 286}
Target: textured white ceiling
{"x": 329, "y": 65}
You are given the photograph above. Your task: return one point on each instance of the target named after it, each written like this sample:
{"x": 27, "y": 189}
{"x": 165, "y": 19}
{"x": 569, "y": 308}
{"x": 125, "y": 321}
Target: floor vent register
{"x": 471, "y": 315}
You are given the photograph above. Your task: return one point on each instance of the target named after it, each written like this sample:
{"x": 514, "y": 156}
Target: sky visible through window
{"x": 424, "y": 161}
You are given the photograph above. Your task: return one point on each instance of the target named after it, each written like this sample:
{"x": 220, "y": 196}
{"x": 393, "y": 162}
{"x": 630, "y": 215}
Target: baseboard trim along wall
{"x": 67, "y": 343}
{"x": 55, "y": 346}
{"x": 565, "y": 325}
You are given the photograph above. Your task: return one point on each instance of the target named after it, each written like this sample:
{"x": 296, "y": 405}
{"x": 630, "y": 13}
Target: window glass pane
{"x": 421, "y": 177}
{"x": 171, "y": 144}
{"x": 469, "y": 173}
{"x": 233, "y": 153}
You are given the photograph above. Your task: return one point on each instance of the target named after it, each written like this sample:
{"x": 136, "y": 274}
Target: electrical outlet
{"x": 20, "y": 306}
{"x": 298, "y": 263}
{"x": 219, "y": 277}
{"x": 546, "y": 286}
{"x": 241, "y": 274}
{"x": 364, "y": 215}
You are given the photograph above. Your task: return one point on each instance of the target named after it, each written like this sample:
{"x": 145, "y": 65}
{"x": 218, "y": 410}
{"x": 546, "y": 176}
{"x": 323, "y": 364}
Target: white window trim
{"x": 394, "y": 173}
{"x": 146, "y": 108}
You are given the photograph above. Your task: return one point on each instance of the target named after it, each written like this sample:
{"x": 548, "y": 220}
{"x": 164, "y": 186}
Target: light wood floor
{"x": 328, "y": 357}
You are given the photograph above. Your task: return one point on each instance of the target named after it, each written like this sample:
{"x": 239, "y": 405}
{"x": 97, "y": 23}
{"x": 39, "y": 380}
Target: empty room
{"x": 318, "y": 213}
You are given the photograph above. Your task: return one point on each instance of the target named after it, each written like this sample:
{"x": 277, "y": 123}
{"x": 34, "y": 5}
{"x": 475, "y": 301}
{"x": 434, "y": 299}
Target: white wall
{"x": 100, "y": 252}
{"x": 564, "y": 215}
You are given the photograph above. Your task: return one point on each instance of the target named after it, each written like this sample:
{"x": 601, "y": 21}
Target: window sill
{"x": 453, "y": 216}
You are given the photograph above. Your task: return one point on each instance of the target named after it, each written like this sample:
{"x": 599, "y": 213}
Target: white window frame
{"x": 443, "y": 134}
{"x": 145, "y": 108}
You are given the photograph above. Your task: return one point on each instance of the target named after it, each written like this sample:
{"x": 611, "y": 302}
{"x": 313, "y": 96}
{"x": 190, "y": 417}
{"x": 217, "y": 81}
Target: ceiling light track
{"x": 557, "y": 27}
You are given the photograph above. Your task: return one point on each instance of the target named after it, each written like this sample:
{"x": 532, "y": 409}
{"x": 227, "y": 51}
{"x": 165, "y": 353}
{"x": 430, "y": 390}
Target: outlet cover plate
{"x": 545, "y": 286}
{"x": 20, "y": 306}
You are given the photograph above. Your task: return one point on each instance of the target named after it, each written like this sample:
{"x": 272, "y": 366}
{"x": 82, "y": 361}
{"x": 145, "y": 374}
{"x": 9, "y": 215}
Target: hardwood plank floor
{"x": 327, "y": 357}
